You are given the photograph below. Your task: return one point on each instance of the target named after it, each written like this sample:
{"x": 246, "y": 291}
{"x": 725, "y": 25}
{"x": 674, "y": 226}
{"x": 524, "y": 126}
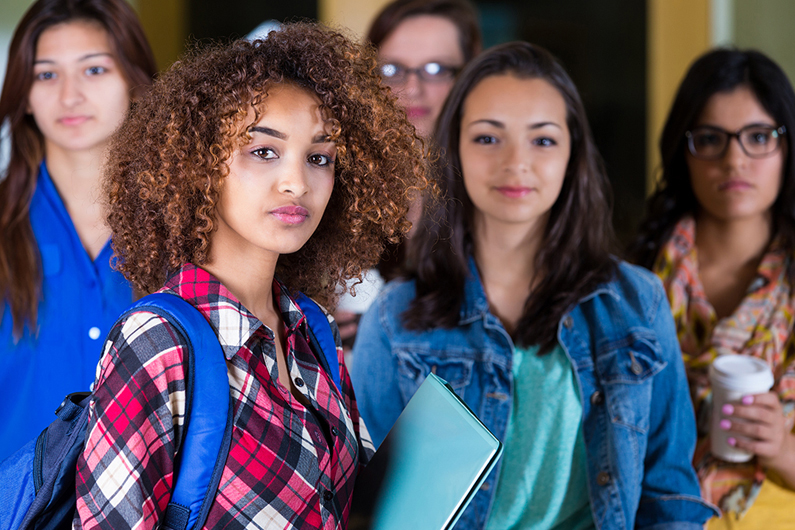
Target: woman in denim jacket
{"x": 567, "y": 355}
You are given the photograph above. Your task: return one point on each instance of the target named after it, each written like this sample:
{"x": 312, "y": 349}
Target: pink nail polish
{"x": 747, "y": 400}
{"x": 725, "y": 425}
{"x": 731, "y": 441}
{"x": 727, "y": 409}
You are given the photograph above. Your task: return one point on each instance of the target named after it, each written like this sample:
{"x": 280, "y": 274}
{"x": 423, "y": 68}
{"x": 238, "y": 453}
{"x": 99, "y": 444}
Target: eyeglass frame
{"x": 779, "y": 132}
{"x": 419, "y": 71}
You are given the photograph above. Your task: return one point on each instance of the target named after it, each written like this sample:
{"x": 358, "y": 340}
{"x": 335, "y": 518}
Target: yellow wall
{"x": 165, "y": 23}
{"x": 353, "y": 14}
{"x": 678, "y": 32}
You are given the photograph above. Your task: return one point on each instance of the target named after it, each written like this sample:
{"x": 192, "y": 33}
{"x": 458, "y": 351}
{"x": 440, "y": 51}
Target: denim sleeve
{"x": 670, "y": 495}
{"x": 374, "y": 372}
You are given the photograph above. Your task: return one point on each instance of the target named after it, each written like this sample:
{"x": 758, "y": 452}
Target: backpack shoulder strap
{"x": 321, "y": 336}
{"x": 208, "y": 431}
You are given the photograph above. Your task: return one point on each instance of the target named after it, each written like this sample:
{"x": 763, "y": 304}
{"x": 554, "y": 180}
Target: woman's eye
{"x": 44, "y": 76}
{"x": 545, "y": 142}
{"x": 320, "y": 160}
{"x": 760, "y": 138}
{"x": 485, "y": 139}
{"x": 265, "y": 153}
{"x": 96, "y": 70}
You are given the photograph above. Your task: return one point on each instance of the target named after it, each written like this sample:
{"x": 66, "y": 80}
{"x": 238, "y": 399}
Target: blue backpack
{"x": 37, "y": 483}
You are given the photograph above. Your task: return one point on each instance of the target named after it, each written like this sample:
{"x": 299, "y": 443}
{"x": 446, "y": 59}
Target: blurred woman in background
{"x": 566, "y": 354}
{"x": 422, "y": 45}
{"x": 74, "y": 68}
{"x": 720, "y": 232}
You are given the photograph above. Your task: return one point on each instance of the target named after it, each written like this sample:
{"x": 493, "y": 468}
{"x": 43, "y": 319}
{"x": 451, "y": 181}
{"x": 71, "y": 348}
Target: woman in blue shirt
{"x": 74, "y": 67}
{"x": 568, "y": 355}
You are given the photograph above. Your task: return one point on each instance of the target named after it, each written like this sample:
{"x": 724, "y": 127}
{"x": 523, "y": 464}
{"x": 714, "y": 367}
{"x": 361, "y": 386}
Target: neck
{"x": 250, "y": 279}
{"x": 501, "y": 251}
{"x": 738, "y": 241}
{"x": 75, "y": 172}
{"x": 505, "y": 255}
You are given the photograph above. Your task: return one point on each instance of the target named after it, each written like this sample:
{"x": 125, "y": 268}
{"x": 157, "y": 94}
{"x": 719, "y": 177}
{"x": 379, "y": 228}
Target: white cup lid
{"x": 741, "y": 373}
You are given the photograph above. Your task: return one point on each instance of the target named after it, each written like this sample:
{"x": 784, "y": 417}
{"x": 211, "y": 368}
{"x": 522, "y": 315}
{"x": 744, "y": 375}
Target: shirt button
{"x": 596, "y": 398}
{"x": 93, "y": 333}
{"x": 603, "y": 478}
{"x": 334, "y": 431}
{"x": 299, "y": 382}
{"x": 568, "y": 322}
{"x": 327, "y": 496}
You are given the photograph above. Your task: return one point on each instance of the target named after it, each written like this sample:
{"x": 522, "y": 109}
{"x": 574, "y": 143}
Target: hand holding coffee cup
{"x": 743, "y": 411}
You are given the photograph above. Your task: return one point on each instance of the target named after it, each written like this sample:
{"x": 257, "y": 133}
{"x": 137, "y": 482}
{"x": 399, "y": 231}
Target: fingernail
{"x": 725, "y": 425}
{"x": 727, "y": 409}
{"x": 731, "y": 441}
{"x": 747, "y": 400}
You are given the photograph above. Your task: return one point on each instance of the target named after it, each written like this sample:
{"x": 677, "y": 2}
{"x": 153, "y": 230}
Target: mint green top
{"x": 543, "y": 482}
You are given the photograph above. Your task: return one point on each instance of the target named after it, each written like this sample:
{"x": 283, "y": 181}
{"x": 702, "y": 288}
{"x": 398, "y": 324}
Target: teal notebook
{"x": 429, "y": 467}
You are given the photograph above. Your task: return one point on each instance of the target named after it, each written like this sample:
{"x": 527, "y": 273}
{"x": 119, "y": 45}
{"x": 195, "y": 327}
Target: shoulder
{"x": 398, "y": 292}
{"x": 385, "y": 313}
{"x": 394, "y": 299}
{"x": 142, "y": 338}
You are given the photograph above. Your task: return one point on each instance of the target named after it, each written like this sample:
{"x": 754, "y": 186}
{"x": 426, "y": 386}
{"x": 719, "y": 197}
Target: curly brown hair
{"x": 169, "y": 159}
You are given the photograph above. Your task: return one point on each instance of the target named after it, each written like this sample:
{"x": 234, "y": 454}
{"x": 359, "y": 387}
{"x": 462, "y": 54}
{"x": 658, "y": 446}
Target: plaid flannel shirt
{"x": 288, "y": 466}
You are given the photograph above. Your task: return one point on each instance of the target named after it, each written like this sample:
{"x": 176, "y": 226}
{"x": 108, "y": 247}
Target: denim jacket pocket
{"x": 626, "y": 370}
{"x": 414, "y": 367}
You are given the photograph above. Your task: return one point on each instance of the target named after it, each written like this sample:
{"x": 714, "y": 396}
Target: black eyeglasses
{"x": 397, "y": 74}
{"x": 757, "y": 141}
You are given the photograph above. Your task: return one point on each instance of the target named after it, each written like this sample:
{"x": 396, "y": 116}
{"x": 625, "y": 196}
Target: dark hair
{"x": 574, "y": 256}
{"x": 460, "y": 12}
{"x": 20, "y": 274}
{"x": 717, "y": 71}
{"x": 170, "y": 157}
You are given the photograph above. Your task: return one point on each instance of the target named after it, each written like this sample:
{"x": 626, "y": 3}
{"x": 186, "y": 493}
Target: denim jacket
{"x": 638, "y": 420}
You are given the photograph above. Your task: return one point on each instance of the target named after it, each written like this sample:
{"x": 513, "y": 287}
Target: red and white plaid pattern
{"x": 288, "y": 466}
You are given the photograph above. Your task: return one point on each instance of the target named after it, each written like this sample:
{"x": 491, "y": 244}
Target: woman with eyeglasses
{"x": 422, "y": 45}
{"x": 720, "y": 232}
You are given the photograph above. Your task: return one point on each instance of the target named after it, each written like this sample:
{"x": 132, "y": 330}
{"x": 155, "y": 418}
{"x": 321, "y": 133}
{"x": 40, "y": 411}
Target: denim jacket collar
{"x": 476, "y": 305}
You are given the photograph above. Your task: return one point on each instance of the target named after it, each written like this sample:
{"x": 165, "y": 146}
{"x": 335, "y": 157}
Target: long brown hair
{"x": 20, "y": 268}
{"x": 575, "y": 253}
{"x": 715, "y": 72}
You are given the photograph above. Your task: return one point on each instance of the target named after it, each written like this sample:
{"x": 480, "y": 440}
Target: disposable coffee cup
{"x": 732, "y": 377}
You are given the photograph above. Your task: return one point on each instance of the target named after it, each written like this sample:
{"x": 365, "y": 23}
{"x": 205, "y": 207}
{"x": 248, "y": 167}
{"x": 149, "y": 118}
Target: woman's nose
{"x": 293, "y": 180}
{"x": 71, "y": 91}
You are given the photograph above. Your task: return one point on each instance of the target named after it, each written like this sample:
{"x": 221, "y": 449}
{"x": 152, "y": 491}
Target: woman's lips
{"x": 731, "y": 185}
{"x": 417, "y": 112}
{"x": 71, "y": 121}
{"x": 514, "y": 192}
{"x": 291, "y": 214}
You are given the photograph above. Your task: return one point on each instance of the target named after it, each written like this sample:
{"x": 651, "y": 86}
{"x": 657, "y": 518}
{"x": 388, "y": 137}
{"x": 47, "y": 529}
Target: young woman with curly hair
{"x": 73, "y": 68}
{"x": 720, "y": 233}
{"x": 250, "y": 171}
{"x": 568, "y": 355}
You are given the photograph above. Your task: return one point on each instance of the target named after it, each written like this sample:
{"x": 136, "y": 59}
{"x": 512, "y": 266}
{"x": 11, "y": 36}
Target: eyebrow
{"x": 532, "y": 126}
{"x": 83, "y": 58}
{"x": 319, "y": 139}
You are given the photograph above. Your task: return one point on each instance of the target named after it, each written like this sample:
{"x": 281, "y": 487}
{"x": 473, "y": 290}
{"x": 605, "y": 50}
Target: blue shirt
{"x": 637, "y": 417}
{"x": 81, "y": 300}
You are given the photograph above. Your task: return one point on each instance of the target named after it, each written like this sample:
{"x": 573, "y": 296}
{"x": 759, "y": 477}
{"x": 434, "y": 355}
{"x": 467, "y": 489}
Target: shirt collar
{"x": 234, "y": 324}
{"x": 476, "y": 304}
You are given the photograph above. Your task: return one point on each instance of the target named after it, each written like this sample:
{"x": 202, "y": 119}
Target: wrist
{"x": 784, "y": 462}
